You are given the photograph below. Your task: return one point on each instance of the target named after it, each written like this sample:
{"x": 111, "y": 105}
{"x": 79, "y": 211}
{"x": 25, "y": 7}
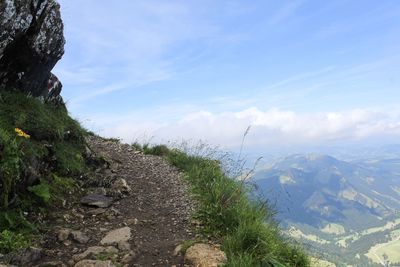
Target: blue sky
{"x": 299, "y": 72}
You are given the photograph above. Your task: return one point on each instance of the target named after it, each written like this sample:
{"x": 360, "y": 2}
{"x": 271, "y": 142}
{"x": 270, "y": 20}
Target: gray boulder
{"x": 31, "y": 43}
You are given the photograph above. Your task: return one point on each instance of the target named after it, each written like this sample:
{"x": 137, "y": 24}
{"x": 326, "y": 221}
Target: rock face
{"x": 31, "y": 43}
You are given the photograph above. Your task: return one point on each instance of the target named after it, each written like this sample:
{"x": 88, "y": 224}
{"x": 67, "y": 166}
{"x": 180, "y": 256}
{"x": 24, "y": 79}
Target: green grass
{"x": 250, "y": 235}
{"x": 11, "y": 241}
{"x": 42, "y": 150}
{"x": 54, "y": 145}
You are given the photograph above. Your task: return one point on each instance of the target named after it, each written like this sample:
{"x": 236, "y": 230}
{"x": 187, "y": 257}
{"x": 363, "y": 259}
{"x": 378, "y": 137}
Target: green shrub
{"x": 42, "y": 191}
{"x": 11, "y": 241}
{"x": 157, "y": 150}
{"x": 15, "y": 220}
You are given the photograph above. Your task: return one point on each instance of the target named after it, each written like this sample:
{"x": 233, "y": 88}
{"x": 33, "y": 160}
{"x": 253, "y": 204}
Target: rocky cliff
{"x": 31, "y": 43}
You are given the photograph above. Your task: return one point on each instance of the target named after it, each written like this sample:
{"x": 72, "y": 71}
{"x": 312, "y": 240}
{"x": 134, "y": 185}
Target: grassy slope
{"x": 248, "y": 231}
{"x": 37, "y": 163}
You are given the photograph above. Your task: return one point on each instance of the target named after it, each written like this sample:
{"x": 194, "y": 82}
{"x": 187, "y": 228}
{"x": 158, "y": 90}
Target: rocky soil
{"x": 135, "y": 212}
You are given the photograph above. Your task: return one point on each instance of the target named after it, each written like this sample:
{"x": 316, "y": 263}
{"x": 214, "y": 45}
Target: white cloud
{"x": 273, "y": 127}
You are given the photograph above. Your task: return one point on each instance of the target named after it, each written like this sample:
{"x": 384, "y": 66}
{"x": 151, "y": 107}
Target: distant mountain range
{"x": 319, "y": 197}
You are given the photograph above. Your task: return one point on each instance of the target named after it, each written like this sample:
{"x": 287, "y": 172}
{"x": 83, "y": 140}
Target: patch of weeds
{"x": 137, "y": 146}
{"x": 104, "y": 256}
{"x": 70, "y": 160}
{"x": 11, "y": 241}
{"x": 157, "y": 150}
{"x": 15, "y": 220}
{"x": 42, "y": 191}
{"x": 249, "y": 233}
{"x": 61, "y": 186}
{"x": 53, "y": 190}
{"x": 111, "y": 139}
{"x": 10, "y": 162}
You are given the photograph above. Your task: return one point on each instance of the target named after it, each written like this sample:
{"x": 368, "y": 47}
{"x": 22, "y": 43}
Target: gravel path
{"x": 156, "y": 210}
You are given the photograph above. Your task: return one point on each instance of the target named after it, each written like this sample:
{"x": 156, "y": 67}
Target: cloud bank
{"x": 273, "y": 127}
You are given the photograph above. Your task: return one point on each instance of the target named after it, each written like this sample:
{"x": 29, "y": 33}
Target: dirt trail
{"x": 157, "y": 211}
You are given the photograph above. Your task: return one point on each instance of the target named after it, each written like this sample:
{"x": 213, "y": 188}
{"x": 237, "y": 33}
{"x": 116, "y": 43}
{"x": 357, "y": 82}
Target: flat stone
{"x": 52, "y": 264}
{"x": 27, "y": 256}
{"x": 124, "y": 246}
{"x": 96, "y": 200}
{"x": 205, "y": 255}
{"x": 97, "y": 211}
{"x": 63, "y": 234}
{"x": 94, "y": 263}
{"x": 79, "y": 237}
{"x": 92, "y": 251}
{"x": 116, "y": 236}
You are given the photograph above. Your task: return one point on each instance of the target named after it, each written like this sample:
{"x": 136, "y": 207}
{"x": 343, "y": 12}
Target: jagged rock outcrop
{"x": 31, "y": 43}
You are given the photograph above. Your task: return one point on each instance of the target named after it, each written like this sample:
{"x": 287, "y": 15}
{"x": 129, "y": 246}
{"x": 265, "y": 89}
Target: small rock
{"x": 205, "y": 255}
{"x": 128, "y": 258}
{"x": 52, "y": 264}
{"x": 132, "y": 221}
{"x": 116, "y": 236}
{"x": 121, "y": 185}
{"x": 177, "y": 250}
{"x": 79, "y": 237}
{"x": 92, "y": 251}
{"x": 27, "y": 257}
{"x": 100, "y": 191}
{"x": 97, "y": 211}
{"x": 63, "y": 234}
{"x": 79, "y": 216}
{"x": 124, "y": 246}
{"x": 94, "y": 263}
{"x": 95, "y": 200}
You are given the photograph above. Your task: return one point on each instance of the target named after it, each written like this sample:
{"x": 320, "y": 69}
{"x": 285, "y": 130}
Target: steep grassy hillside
{"x": 41, "y": 150}
{"x": 339, "y": 209}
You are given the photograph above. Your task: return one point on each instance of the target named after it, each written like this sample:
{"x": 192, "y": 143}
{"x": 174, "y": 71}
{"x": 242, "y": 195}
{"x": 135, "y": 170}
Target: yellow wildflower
{"x": 21, "y": 133}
